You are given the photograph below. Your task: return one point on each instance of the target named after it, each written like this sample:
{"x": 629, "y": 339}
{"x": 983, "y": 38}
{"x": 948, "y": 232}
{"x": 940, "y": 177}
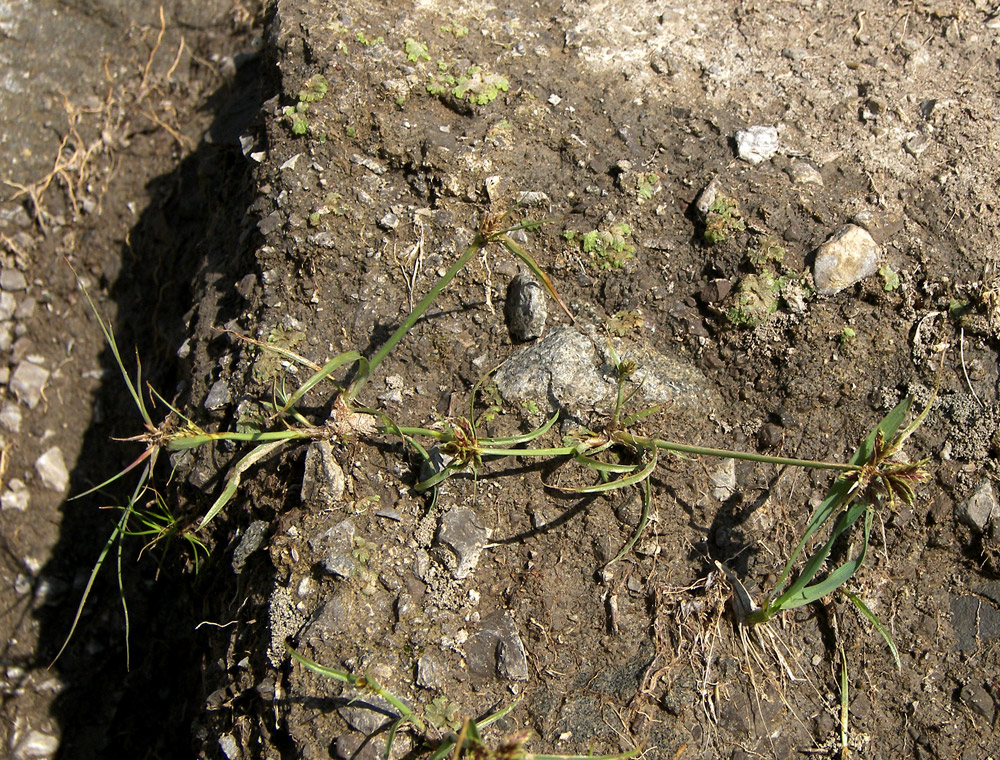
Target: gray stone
{"x": 558, "y": 371}
{"x": 804, "y": 173}
{"x": 12, "y": 279}
{"x": 703, "y": 203}
{"x": 27, "y": 383}
{"x": 52, "y": 470}
{"x": 218, "y": 396}
{"x": 251, "y": 541}
{"x": 36, "y": 744}
{"x": 917, "y": 144}
{"x": 16, "y": 497}
{"x": 977, "y": 699}
{"x": 757, "y": 144}
{"x": 497, "y": 649}
{"x": 980, "y": 509}
{"x": 323, "y": 479}
{"x": 849, "y": 256}
{"x": 460, "y": 541}
{"x": 567, "y": 369}
{"x": 10, "y": 417}
{"x": 526, "y": 308}
{"x": 431, "y": 674}
{"x": 389, "y": 222}
{"x": 533, "y": 198}
{"x": 270, "y": 223}
{"x": 335, "y": 546}
{"x": 369, "y": 163}
{"x": 976, "y": 622}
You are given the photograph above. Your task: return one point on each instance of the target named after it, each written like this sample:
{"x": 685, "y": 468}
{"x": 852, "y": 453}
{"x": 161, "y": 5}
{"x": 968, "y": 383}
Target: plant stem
{"x": 683, "y": 448}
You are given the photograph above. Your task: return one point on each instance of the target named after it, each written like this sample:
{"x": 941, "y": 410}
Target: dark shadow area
{"x": 178, "y": 270}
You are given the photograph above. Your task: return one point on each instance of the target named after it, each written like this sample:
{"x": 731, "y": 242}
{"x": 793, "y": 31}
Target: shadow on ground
{"x": 178, "y": 268}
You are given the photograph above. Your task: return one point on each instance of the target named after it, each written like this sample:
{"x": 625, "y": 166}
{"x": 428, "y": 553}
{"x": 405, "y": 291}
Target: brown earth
{"x": 619, "y": 113}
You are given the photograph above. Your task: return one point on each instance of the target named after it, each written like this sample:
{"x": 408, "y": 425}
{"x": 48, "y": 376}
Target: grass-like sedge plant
{"x": 466, "y": 743}
{"x": 617, "y": 456}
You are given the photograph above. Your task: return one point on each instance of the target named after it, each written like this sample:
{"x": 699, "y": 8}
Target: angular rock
{"x": 977, "y": 699}
{"x": 804, "y": 173}
{"x": 52, "y": 470}
{"x": 8, "y": 305}
{"x": 28, "y": 382}
{"x": 757, "y": 144}
{"x": 980, "y": 509}
{"x": 567, "y": 369}
{"x": 526, "y": 309}
{"x": 218, "y": 396}
{"x": 431, "y": 674}
{"x": 497, "y": 649}
{"x": 36, "y": 745}
{"x": 849, "y": 256}
{"x": 251, "y": 541}
{"x": 460, "y": 541}
{"x": 323, "y": 479}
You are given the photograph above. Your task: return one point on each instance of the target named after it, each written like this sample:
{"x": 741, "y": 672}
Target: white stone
{"x": 52, "y": 470}
{"x": 10, "y": 417}
{"x": 36, "y": 745}
{"x": 850, "y": 255}
{"x": 16, "y": 496}
{"x": 757, "y": 144}
{"x": 27, "y": 383}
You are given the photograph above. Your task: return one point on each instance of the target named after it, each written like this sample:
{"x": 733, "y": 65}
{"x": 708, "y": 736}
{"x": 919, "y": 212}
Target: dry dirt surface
{"x": 303, "y": 176}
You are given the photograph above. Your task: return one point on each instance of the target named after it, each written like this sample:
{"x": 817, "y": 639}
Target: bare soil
{"x": 321, "y": 227}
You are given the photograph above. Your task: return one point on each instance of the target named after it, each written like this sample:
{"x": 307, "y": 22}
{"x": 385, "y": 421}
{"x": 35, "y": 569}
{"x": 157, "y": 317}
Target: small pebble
{"x": 16, "y": 497}
{"x": 218, "y": 396}
{"x": 28, "y": 382}
{"x": 757, "y": 144}
{"x": 8, "y": 305}
{"x": 52, "y": 470}
{"x": 36, "y": 745}
{"x": 12, "y": 279}
{"x": 526, "y": 309}
{"x": 980, "y": 509}
{"x": 850, "y": 255}
{"x": 804, "y": 173}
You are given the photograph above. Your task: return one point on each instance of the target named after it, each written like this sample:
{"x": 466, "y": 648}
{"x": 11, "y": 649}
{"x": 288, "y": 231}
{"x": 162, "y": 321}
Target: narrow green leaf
{"x": 799, "y": 595}
{"x": 256, "y": 455}
{"x": 877, "y": 624}
{"x": 647, "y": 500}
{"x": 514, "y": 440}
{"x": 327, "y": 369}
{"x": 612, "y": 485}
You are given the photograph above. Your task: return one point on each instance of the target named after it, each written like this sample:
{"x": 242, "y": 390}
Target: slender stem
{"x": 193, "y": 441}
{"x": 562, "y": 451}
{"x": 682, "y": 448}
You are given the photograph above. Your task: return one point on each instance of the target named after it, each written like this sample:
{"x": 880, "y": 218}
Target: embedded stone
{"x": 849, "y": 256}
